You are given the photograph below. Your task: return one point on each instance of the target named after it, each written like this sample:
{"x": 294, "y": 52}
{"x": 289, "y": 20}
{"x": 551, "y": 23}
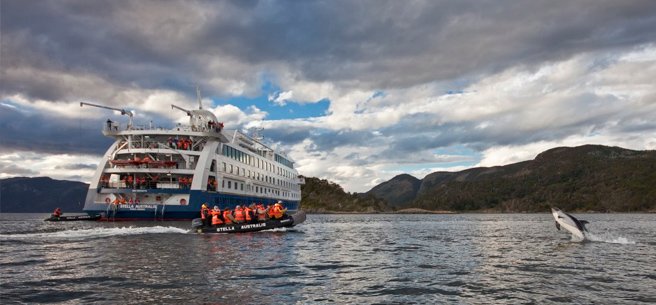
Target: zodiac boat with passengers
{"x": 153, "y": 173}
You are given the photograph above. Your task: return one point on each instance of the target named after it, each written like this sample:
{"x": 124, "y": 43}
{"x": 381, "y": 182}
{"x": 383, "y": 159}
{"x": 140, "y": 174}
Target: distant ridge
{"x": 41, "y": 194}
{"x": 399, "y": 192}
{"x": 584, "y": 178}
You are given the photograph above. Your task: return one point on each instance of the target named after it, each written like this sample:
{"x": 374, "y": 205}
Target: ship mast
{"x": 200, "y": 104}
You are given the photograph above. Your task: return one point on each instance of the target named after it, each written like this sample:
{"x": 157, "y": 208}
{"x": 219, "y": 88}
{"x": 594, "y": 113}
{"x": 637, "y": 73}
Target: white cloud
{"x": 281, "y": 98}
{"x": 56, "y": 166}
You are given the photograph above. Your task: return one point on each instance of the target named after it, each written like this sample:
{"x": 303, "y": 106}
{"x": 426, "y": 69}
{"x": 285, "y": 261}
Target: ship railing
{"x": 145, "y": 186}
{"x": 113, "y": 127}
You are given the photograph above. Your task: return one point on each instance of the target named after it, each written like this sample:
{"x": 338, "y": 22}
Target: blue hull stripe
{"x": 190, "y": 211}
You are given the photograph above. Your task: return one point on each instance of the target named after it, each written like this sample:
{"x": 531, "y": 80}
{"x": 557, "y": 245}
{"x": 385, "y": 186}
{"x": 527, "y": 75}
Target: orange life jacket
{"x": 277, "y": 212}
{"x": 215, "y": 217}
{"x": 247, "y": 213}
{"x": 226, "y": 217}
{"x": 239, "y": 215}
{"x": 261, "y": 213}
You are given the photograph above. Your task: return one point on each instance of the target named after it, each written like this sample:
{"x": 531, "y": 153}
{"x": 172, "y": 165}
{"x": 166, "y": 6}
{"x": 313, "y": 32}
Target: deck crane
{"x": 200, "y": 104}
{"x": 180, "y": 108}
{"x": 122, "y": 111}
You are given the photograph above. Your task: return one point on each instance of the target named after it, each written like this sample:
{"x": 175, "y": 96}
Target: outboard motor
{"x": 299, "y": 217}
{"x": 196, "y": 223}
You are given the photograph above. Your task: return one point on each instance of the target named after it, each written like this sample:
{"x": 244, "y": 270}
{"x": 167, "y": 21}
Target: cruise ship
{"x": 152, "y": 173}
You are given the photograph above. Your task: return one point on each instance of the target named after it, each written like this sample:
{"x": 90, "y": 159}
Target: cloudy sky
{"x": 356, "y": 92}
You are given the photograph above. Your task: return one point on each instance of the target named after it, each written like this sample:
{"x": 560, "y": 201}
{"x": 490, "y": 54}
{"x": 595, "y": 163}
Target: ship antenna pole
{"x": 200, "y": 104}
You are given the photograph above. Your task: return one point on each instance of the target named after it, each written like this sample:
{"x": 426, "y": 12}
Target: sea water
{"x": 340, "y": 259}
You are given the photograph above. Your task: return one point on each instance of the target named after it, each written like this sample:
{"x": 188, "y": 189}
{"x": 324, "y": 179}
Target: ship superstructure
{"x": 156, "y": 173}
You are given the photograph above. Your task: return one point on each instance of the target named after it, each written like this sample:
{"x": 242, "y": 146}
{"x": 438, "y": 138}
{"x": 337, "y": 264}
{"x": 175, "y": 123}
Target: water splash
{"x": 94, "y": 233}
{"x": 609, "y": 238}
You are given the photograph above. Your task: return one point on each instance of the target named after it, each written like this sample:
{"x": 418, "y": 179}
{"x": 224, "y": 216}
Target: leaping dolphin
{"x": 569, "y": 223}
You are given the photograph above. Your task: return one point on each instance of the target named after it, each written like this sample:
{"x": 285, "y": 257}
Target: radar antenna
{"x": 255, "y": 133}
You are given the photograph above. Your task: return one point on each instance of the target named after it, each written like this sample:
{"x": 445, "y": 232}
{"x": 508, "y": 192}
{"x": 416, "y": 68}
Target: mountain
{"x": 320, "y": 196}
{"x": 399, "y": 192}
{"x": 41, "y": 195}
{"x": 584, "y": 178}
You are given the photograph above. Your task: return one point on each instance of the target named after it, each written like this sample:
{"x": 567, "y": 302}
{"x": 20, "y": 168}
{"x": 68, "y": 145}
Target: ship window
{"x": 237, "y": 170}
{"x": 229, "y": 184}
{"x": 231, "y": 168}
{"x": 222, "y": 183}
{"x": 241, "y": 185}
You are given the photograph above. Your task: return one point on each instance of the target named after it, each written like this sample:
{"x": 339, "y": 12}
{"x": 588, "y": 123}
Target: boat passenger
{"x": 57, "y": 213}
{"x": 239, "y": 214}
{"x": 227, "y": 217}
{"x": 248, "y": 213}
{"x": 261, "y": 213}
{"x": 269, "y": 210}
{"x": 278, "y": 210}
{"x": 216, "y": 220}
{"x": 204, "y": 214}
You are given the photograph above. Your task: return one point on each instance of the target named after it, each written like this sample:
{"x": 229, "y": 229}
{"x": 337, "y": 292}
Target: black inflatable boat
{"x": 289, "y": 221}
{"x": 73, "y": 218}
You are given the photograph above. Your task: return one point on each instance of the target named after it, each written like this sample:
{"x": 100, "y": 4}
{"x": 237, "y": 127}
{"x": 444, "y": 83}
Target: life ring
{"x": 183, "y": 201}
{"x": 107, "y": 200}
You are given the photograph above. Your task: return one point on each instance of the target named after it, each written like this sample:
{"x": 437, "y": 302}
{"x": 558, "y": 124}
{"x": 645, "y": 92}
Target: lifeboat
{"x": 286, "y": 222}
{"x": 73, "y": 218}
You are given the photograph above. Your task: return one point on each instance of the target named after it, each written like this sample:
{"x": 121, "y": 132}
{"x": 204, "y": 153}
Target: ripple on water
{"x": 343, "y": 259}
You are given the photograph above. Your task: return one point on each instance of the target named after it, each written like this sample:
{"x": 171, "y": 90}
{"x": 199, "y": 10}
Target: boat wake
{"x": 94, "y": 233}
{"x": 609, "y": 238}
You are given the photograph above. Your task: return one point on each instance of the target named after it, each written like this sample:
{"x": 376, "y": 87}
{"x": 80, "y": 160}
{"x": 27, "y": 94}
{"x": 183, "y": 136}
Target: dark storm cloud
{"x": 329, "y": 140}
{"x": 15, "y": 170}
{"x": 375, "y": 42}
{"x": 76, "y": 166}
{"x": 287, "y": 134}
{"x": 369, "y": 44}
{"x": 41, "y": 133}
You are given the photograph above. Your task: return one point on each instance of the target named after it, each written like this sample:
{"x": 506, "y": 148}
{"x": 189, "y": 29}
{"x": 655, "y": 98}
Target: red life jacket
{"x": 239, "y": 215}
{"x": 247, "y": 214}
{"x": 226, "y": 217}
{"x": 277, "y": 212}
{"x": 215, "y": 217}
{"x": 261, "y": 213}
